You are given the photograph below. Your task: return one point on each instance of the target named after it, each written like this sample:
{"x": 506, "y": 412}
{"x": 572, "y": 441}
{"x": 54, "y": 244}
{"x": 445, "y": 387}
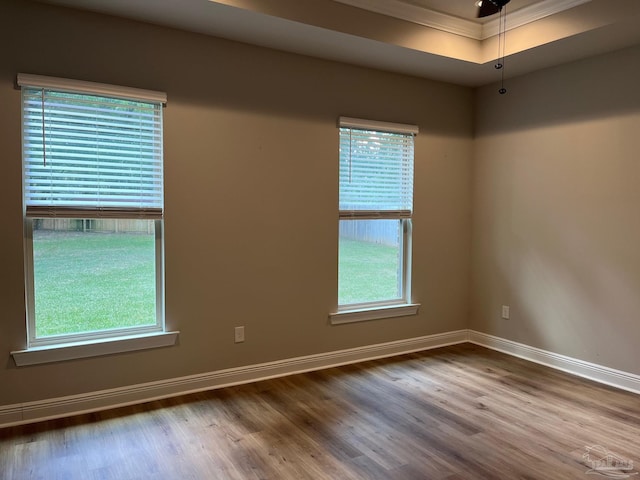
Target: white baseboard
{"x": 592, "y": 371}
{"x": 105, "y": 399}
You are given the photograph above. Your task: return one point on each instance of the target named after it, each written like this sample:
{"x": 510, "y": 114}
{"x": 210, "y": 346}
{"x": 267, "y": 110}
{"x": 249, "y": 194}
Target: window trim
{"x": 363, "y": 124}
{"x": 84, "y": 337}
{"x": 90, "y": 88}
{"x": 361, "y": 312}
{"x": 355, "y": 312}
{"x": 94, "y": 348}
{"x": 405, "y": 264}
{"x": 374, "y": 313}
{"x": 79, "y": 345}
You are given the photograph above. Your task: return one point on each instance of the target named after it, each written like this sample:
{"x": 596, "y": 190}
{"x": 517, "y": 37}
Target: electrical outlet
{"x": 505, "y": 312}
{"x": 239, "y": 334}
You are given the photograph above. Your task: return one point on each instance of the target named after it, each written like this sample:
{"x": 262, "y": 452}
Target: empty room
{"x": 320, "y": 239}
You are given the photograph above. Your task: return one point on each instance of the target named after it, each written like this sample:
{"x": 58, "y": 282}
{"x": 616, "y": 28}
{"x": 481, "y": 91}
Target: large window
{"x": 93, "y": 209}
{"x": 375, "y": 214}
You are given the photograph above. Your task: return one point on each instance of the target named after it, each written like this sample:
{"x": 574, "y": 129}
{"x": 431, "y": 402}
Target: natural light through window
{"x": 92, "y": 274}
{"x": 93, "y": 204}
{"x": 375, "y": 214}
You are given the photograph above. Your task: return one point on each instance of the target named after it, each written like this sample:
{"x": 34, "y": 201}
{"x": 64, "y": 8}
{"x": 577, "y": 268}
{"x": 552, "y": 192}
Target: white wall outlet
{"x": 505, "y": 312}
{"x": 239, "y": 334}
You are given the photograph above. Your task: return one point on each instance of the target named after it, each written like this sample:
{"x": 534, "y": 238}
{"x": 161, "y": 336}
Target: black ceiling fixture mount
{"x": 491, "y": 7}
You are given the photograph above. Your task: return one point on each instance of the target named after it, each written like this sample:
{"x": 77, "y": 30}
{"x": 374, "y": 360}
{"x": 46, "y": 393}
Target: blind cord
{"x": 44, "y": 143}
{"x": 350, "y": 152}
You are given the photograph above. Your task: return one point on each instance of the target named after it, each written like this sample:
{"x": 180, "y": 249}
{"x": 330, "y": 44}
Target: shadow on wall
{"x": 199, "y": 71}
{"x": 599, "y": 87}
{"x": 555, "y": 192}
{"x": 574, "y": 283}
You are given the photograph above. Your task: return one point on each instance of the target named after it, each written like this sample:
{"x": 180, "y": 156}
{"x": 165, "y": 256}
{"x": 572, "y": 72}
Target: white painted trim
{"x": 373, "y": 313}
{"x": 30, "y": 412}
{"x": 460, "y": 26}
{"x": 93, "y": 348}
{"x": 80, "y": 86}
{"x": 527, "y": 15}
{"x": 421, "y": 16}
{"x": 106, "y": 399}
{"x": 601, "y": 374}
{"x": 11, "y": 415}
{"x": 363, "y": 124}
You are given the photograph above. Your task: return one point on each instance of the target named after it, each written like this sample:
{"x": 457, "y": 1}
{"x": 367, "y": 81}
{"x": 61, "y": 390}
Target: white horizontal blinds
{"x": 376, "y": 169}
{"x": 91, "y": 155}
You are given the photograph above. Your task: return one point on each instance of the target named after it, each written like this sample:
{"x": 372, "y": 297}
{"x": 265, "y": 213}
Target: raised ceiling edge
{"x": 459, "y": 26}
{"x": 419, "y": 15}
{"x": 529, "y": 14}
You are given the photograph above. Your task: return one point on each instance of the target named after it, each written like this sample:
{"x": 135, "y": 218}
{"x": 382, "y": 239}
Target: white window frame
{"x": 34, "y": 341}
{"x": 87, "y": 344}
{"x": 402, "y": 306}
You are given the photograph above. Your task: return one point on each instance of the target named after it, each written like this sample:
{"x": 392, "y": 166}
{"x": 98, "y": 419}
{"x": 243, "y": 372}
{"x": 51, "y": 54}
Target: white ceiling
{"x": 438, "y": 39}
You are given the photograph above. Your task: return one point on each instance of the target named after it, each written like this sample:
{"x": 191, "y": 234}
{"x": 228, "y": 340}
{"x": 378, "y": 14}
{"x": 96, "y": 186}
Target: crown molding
{"x": 529, "y": 14}
{"x": 459, "y": 26}
{"x": 421, "y": 16}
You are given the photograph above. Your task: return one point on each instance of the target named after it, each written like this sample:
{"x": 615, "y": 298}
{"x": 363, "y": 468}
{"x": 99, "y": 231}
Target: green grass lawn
{"x": 93, "y": 281}
{"x": 367, "y": 272}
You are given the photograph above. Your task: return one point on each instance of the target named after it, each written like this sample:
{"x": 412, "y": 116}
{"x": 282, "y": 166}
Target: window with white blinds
{"x": 376, "y": 169}
{"x": 91, "y": 149}
{"x": 375, "y": 213}
{"x": 93, "y": 204}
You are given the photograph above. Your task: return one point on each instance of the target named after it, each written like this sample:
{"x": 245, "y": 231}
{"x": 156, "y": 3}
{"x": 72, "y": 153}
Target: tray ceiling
{"x": 437, "y": 39}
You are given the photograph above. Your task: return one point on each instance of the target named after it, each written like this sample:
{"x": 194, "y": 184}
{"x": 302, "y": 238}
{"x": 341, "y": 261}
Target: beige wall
{"x": 556, "y": 222}
{"x": 251, "y": 194}
{"x": 546, "y": 194}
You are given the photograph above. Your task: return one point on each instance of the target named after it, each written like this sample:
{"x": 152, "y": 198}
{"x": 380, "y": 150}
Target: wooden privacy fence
{"x": 384, "y": 232}
{"x": 113, "y": 225}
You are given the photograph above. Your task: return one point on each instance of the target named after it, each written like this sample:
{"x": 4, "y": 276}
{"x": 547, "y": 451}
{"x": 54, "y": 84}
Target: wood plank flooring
{"x": 459, "y": 412}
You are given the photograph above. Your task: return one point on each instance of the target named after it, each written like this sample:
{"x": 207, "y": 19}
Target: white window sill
{"x": 374, "y": 313}
{"x": 94, "y": 348}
